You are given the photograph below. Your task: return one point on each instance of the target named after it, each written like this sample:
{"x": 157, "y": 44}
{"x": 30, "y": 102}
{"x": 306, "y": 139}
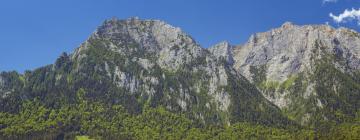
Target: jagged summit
{"x": 154, "y": 37}
{"x": 292, "y": 47}
{"x": 287, "y": 24}
{"x": 148, "y": 33}
{"x": 296, "y": 45}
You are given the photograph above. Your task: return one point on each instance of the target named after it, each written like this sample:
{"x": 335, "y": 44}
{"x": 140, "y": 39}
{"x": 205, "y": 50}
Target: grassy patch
{"x": 269, "y": 85}
{"x": 83, "y": 138}
{"x": 289, "y": 82}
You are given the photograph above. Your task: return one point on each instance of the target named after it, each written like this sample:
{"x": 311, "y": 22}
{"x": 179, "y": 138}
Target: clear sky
{"x": 33, "y": 33}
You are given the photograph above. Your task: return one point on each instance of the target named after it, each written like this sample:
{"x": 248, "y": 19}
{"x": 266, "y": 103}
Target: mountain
{"x": 311, "y": 72}
{"x": 134, "y": 73}
{"x": 158, "y": 64}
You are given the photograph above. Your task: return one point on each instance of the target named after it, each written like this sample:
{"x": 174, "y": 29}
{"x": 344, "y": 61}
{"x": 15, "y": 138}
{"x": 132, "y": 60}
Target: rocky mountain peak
{"x": 149, "y": 34}
{"x": 283, "y": 61}
{"x": 293, "y": 49}
{"x": 287, "y": 25}
{"x": 170, "y": 45}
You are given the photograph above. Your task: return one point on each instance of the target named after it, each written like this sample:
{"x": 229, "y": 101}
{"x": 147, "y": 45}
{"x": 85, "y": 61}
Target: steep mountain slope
{"x": 137, "y": 63}
{"x": 145, "y": 79}
{"x": 311, "y": 72}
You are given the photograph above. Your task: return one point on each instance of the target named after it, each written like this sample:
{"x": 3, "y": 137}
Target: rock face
{"x": 223, "y": 51}
{"x": 288, "y": 61}
{"x": 288, "y": 50}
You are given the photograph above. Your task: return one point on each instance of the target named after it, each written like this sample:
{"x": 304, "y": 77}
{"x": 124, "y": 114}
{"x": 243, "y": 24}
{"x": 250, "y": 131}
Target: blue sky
{"x": 33, "y": 33}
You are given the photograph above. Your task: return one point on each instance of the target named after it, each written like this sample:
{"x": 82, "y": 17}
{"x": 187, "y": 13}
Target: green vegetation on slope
{"x": 93, "y": 120}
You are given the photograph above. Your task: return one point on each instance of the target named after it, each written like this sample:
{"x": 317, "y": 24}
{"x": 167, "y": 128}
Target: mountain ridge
{"x": 289, "y": 53}
{"x": 151, "y": 62}
{"x": 291, "y": 76}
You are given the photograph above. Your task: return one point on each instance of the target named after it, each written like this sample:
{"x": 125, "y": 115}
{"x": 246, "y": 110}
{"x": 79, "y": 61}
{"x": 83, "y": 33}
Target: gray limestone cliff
{"x": 303, "y": 69}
